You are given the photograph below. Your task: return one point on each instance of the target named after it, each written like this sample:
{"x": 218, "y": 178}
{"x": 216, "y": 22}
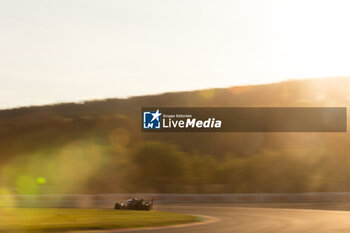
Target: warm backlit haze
{"x": 65, "y": 163}
{"x": 83, "y": 146}
{"x": 77, "y": 50}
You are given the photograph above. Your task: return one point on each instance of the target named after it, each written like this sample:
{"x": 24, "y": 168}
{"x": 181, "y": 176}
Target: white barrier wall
{"x": 107, "y": 200}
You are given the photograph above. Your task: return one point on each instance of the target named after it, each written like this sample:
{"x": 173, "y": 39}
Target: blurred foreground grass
{"x": 58, "y": 220}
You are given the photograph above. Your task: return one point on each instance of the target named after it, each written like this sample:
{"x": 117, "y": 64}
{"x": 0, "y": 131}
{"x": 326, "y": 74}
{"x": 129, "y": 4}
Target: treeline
{"x": 160, "y": 167}
{"x": 98, "y": 146}
{"x": 27, "y": 129}
{"x": 89, "y": 167}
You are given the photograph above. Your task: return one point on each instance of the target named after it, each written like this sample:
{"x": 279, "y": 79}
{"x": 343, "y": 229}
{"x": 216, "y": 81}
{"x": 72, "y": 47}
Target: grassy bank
{"x": 58, "y": 220}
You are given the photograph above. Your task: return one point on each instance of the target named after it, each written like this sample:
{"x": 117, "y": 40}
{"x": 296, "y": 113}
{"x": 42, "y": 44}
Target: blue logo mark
{"x": 151, "y": 120}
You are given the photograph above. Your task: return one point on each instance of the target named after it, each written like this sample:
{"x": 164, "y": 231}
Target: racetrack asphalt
{"x": 262, "y": 220}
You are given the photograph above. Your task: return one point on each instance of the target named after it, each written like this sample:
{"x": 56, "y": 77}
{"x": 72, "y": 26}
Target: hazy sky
{"x": 70, "y": 50}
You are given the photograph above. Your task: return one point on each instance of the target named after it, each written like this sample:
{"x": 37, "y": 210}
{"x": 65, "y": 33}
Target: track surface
{"x": 244, "y": 220}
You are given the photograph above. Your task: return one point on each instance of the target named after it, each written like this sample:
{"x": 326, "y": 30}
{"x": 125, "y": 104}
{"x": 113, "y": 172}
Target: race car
{"x": 134, "y": 204}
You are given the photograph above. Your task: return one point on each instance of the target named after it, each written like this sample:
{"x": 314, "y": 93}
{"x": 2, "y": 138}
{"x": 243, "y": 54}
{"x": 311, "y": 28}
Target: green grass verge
{"x": 58, "y": 220}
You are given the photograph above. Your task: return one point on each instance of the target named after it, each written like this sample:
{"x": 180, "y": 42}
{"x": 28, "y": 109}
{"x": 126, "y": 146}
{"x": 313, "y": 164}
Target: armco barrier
{"x": 107, "y": 200}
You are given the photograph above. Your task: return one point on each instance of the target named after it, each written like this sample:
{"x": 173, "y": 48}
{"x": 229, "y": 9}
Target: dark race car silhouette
{"x": 134, "y": 204}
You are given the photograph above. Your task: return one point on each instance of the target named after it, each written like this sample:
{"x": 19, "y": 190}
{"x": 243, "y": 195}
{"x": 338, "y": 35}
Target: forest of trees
{"x": 98, "y": 146}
